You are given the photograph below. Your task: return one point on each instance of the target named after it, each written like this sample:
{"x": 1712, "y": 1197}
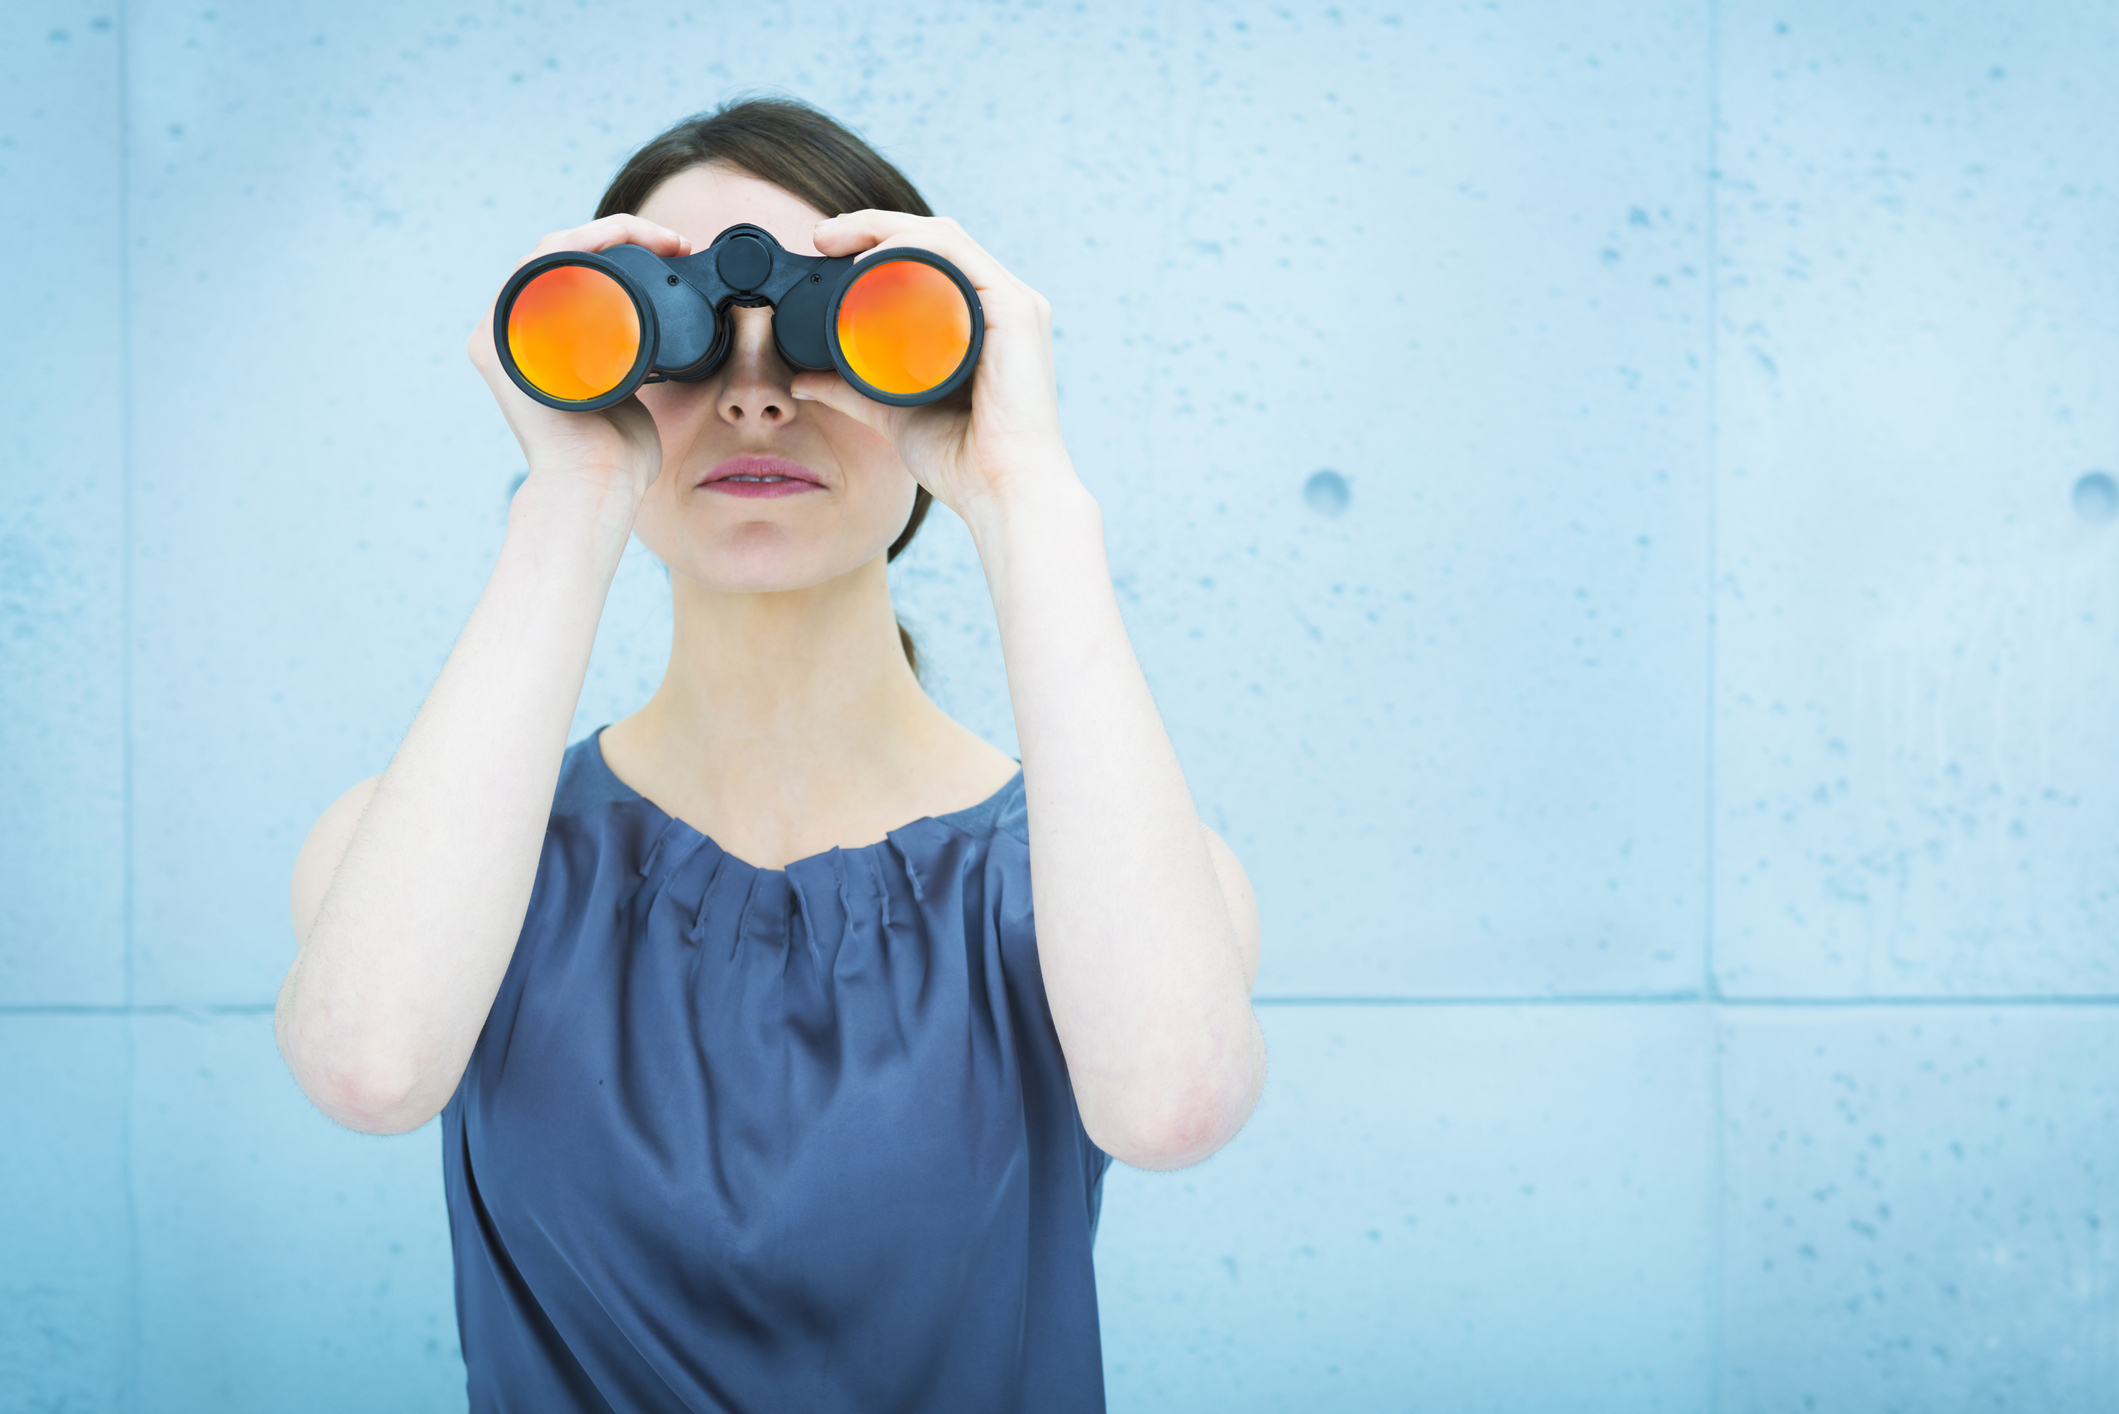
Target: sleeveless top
{"x": 742, "y": 1139}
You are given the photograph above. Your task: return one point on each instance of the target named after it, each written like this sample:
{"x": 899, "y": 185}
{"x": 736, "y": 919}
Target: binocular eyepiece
{"x": 581, "y": 330}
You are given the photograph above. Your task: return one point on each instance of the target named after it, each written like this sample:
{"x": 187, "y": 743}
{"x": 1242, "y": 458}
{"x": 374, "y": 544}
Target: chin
{"x": 771, "y": 563}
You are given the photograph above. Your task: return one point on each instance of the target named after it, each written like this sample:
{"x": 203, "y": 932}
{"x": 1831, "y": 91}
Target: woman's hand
{"x": 1006, "y": 447}
{"x": 615, "y": 449}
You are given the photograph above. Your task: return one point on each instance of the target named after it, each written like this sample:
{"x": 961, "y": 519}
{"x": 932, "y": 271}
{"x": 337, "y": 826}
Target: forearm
{"x": 1148, "y": 987}
{"x": 395, "y": 977}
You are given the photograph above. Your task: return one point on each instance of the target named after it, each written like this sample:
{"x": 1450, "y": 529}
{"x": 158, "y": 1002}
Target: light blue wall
{"x": 1681, "y": 782}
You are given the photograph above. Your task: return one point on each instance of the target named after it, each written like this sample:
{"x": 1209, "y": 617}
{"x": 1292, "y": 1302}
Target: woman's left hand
{"x": 1004, "y": 448}
{"x": 1147, "y": 934}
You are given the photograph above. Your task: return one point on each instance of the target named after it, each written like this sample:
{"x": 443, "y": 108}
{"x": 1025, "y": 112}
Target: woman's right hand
{"x": 616, "y": 448}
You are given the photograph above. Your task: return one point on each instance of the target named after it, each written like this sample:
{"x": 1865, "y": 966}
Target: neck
{"x": 807, "y": 680}
{"x": 788, "y": 708}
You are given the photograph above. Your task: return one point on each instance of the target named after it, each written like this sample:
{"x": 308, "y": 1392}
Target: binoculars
{"x": 581, "y": 330}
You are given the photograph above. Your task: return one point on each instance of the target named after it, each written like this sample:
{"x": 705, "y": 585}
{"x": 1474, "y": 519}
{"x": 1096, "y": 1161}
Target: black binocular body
{"x": 582, "y": 330}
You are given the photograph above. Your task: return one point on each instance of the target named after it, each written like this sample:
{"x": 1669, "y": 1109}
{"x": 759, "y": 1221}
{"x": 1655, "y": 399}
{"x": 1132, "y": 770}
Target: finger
{"x": 603, "y": 233}
{"x": 837, "y": 394}
{"x": 852, "y": 232}
{"x": 868, "y": 234}
{"x": 864, "y": 233}
{"x": 620, "y": 229}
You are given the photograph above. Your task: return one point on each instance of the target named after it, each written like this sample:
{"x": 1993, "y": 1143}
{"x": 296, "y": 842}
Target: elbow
{"x": 364, "y": 1089}
{"x": 1185, "y": 1114}
{"x": 367, "y": 1082}
{"x": 374, "y": 1108}
{"x": 372, "y": 1098}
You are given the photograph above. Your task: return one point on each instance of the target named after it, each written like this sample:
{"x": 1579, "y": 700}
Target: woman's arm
{"x": 1147, "y": 933}
{"x": 408, "y": 903}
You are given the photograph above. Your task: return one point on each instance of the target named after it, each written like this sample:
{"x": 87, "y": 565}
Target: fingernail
{"x": 801, "y": 396}
{"x": 827, "y": 221}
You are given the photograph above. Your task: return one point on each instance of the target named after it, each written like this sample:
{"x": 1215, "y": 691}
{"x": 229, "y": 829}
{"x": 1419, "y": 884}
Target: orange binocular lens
{"x": 904, "y": 327}
{"x": 574, "y": 333}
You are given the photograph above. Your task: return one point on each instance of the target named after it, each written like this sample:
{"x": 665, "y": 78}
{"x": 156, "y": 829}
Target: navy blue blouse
{"x": 741, "y": 1139}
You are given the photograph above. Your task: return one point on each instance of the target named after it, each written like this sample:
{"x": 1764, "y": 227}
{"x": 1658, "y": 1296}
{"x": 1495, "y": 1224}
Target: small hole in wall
{"x": 2096, "y": 497}
{"x": 1326, "y": 493}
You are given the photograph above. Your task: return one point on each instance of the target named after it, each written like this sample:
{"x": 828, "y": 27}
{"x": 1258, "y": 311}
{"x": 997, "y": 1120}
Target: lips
{"x": 760, "y": 476}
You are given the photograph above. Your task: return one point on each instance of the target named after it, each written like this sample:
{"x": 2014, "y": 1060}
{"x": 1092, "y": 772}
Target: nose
{"x": 755, "y": 390}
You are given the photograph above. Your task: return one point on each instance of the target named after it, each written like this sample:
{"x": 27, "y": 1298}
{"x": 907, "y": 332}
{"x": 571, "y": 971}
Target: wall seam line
{"x": 1710, "y": 982}
{"x": 1982, "y": 1002}
{"x": 127, "y": 851}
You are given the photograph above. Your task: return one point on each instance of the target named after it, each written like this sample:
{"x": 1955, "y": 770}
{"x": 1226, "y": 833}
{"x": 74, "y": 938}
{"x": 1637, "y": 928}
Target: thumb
{"x": 837, "y": 394}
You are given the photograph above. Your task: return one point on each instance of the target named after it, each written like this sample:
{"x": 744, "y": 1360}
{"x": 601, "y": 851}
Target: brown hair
{"x": 804, "y": 153}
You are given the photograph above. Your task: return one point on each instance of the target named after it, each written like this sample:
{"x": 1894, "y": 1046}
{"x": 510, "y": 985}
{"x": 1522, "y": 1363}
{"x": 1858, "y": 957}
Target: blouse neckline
{"x": 958, "y": 821}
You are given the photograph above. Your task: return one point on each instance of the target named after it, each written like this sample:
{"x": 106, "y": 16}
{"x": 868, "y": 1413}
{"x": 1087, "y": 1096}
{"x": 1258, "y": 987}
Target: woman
{"x": 756, "y": 1096}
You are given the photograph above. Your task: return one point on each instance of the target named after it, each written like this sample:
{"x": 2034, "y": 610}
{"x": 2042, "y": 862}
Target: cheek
{"x": 683, "y": 412}
{"x": 884, "y": 505}
{"x": 879, "y": 491}
{"x": 656, "y": 526}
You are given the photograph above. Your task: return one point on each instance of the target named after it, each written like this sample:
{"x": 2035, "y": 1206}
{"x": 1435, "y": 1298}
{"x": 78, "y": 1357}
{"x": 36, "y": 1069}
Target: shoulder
{"x": 1001, "y": 813}
{"x": 586, "y": 781}
{"x": 1012, "y": 815}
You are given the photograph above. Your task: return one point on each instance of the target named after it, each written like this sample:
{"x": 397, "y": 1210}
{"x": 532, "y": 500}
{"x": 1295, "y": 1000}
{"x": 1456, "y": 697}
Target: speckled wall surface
{"x": 1615, "y": 500}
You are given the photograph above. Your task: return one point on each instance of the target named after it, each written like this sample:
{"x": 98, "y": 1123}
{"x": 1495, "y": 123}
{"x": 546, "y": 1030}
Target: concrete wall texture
{"x": 1615, "y": 501}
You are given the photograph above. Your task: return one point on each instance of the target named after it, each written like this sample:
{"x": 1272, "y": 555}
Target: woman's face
{"x": 759, "y": 492}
